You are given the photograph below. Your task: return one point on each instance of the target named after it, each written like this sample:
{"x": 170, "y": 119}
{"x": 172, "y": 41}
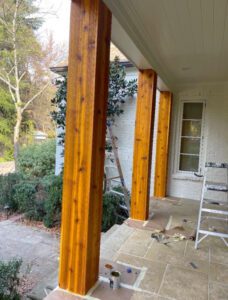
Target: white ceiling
{"x": 185, "y": 41}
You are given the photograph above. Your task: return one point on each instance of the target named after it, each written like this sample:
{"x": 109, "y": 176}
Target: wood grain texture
{"x": 162, "y": 151}
{"x": 143, "y": 144}
{"x": 84, "y": 145}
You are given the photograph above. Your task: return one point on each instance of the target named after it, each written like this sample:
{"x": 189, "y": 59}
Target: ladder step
{"x": 215, "y": 211}
{"x": 218, "y": 187}
{"x": 215, "y": 202}
{"x": 112, "y": 178}
{"x": 216, "y": 165}
{"x": 214, "y": 233}
{"x": 211, "y": 217}
{"x": 213, "y": 208}
{"x": 117, "y": 193}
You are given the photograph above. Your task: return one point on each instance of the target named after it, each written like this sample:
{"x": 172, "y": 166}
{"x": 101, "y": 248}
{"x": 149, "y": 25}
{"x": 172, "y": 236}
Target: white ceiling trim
{"x": 184, "y": 41}
{"x": 140, "y": 38}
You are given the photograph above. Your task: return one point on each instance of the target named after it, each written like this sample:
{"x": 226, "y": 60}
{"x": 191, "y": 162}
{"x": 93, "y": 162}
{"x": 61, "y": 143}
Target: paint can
{"x": 114, "y": 280}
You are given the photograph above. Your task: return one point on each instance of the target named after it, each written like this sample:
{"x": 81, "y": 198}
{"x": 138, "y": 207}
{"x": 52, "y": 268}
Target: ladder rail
{"x": 211, "y": 187}
{"x": 119, "y": 169}
{"x": 200, "y": 211}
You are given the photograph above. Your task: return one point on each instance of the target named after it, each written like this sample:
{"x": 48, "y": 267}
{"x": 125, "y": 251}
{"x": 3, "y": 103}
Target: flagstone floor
{"x": 161, "y": 268}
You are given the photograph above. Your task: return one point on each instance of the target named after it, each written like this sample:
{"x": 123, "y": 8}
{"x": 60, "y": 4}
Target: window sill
{"x": 187, "y": 176}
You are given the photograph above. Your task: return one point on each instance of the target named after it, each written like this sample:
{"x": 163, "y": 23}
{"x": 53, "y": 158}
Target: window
{"x": 191, "y": 136}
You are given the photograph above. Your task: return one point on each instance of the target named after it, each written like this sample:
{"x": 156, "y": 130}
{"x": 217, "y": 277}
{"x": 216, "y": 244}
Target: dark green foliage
{"x": 37, "y": 160}
{"x": 35, "y": 191}
{"x": 26, "y": 196}
{"x": 111, "y": 210}
{"x": 119, "y": 89}
{"x": 39, "y": 199}
{"x": 53, "y": 201}
{"x": 9, "y": 279}
{"x": 59, "y": 115}
{"x": 7, "y": 190}
{"x": 7, "y": 120}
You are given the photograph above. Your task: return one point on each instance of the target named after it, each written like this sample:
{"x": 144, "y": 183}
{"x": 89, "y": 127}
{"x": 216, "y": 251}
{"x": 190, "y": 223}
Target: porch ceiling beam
{"x": 84, "y": 145}
{"x": 163, "y": 133}
{"x": 144, "y": 126}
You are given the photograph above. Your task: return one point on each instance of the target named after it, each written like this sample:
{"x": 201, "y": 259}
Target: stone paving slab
{"x": 38, "y": 249}
{"x": 166, "y": 270}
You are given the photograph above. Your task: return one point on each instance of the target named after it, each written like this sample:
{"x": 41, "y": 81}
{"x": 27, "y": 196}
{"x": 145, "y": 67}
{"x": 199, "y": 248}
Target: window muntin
{"x": 190, "y": 140}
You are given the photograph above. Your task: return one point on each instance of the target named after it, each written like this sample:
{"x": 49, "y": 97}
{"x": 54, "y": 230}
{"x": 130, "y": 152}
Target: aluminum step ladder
{"x": 213, "y": 207}
{"x": 119, "y": 179}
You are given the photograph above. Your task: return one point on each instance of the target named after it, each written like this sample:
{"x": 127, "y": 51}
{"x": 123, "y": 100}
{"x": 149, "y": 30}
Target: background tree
{"x": 7, "y": 120}
{"x": 39, "y": 111}
{"x": 19, "y": 50}
{"x": 120, "y": 89}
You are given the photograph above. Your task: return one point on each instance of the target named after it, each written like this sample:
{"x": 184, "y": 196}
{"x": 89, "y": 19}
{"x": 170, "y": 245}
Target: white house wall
{"x": 59, "y": 159}
{"x": 124, "y": 129}
{"x": 215, "y": 143}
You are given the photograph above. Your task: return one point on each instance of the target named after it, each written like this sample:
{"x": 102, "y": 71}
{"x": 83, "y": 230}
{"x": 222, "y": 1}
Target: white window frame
{"x": 177, "y": 171}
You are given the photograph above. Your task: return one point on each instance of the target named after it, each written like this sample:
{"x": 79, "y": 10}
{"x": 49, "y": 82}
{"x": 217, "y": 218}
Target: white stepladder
{"x": 213, "y": 208}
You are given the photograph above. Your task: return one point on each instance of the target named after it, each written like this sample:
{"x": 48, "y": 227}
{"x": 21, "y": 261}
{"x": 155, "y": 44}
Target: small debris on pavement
{"x": 212, "y": 228}
{"x": 160, "y": 237}
{"x": 192, "y": 236}
{"x": 108, "y": 266}
{"x": 181, "y": 228}
{"x": 193, "y": 265}
{"x": 179, "y": 237}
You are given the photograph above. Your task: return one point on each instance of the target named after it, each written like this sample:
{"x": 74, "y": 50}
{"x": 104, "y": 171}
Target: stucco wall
{"x": 215, "y": 142}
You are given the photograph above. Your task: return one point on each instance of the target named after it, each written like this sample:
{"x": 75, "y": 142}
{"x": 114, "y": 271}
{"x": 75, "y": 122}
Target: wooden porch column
{"x": 143, "y": 144}
{"x": 162, "y": 144}
{"x": 85, "y": 144}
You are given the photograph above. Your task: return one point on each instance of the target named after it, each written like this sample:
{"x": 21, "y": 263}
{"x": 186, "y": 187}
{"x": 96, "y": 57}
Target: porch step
{"x": 49, "y": 282}
{"x": 107, "y": 234}
{"x": 111, "y": 241}
{"x": 115, "y": 240}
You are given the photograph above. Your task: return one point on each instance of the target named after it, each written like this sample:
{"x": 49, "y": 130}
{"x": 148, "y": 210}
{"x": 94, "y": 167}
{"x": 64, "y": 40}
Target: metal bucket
{"x": 114, "y": 280}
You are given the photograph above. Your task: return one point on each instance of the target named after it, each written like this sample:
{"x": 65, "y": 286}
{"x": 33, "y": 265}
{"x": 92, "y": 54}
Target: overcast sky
{"x": 57, "y": 21}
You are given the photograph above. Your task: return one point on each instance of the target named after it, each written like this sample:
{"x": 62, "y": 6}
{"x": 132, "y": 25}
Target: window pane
{"x": 189, "y": 163}
{"x": 191, "y": 146}
{"x": 193, "y": 111}
{"x": 191, "y": 128}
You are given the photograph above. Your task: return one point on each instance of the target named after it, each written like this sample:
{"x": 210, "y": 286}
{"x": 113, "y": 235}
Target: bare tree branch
{"x": 34, "y": 97}
{"x": 22, "y": 75}
{"x": 11, "y": 71}
{"x": 7, "y": 82}
{"x": 5, "y": 25}
{"x": 12, "y": 95}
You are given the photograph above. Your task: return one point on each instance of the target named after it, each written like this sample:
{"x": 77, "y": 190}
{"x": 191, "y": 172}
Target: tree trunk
{"x": 16, "y": 135}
